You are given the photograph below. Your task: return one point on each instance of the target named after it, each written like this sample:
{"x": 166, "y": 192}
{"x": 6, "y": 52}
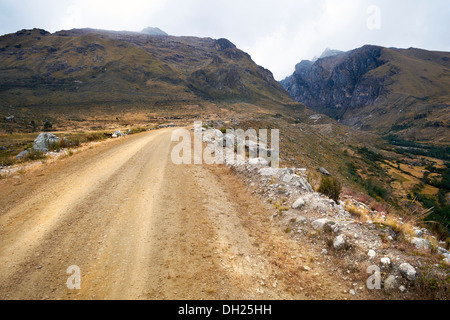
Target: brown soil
{"x": 140, "y": 227}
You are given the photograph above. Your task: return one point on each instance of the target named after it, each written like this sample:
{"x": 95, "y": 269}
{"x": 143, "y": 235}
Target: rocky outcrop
{"x": 44, "y": 141}
{"x": 333, "y": 84}
{"x": 384, "y": 90}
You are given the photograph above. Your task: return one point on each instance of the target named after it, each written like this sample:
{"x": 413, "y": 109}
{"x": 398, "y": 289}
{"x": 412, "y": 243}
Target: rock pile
{"x": 312, "y": 214}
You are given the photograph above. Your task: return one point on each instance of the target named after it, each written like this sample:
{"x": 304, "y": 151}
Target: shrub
{"x": 137, "y": 130}
{"x": 34, "y": 155}
{"x": 330, "y": 187}
{"x": 47, "y": 125}
{"x": 94, "y": 137}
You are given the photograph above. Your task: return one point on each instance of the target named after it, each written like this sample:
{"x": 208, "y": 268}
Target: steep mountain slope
{"x": 80, "y": 72}
{"x": 385, "y": 90}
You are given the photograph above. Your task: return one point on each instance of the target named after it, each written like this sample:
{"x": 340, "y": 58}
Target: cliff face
{"x": 378, "y": 89}
{"x": 334, "y": 84}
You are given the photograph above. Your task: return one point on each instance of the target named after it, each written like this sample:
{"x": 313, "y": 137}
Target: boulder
{"x": 118, "y": 134}
{"x": 421, "y": 243}
{"x": 408, "y": 271}
{"x": 418, "y": 233}
{"x": 339, "y": 242}
{"x": 22, "y": 154}
{"x": 44, "y": 141}
{"x": 324, "y": 171}
{"x": 320, "y": 223}
{"x": 298, "y": 204}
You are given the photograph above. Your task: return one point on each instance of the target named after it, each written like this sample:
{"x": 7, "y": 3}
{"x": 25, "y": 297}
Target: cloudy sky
{"x": 276, "y": 33}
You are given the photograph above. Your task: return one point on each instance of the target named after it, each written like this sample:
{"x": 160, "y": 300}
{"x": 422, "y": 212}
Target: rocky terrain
{"x": 347, "y": 235}
{"x": 89, "y": 85}
{"x": 403, "y": 92}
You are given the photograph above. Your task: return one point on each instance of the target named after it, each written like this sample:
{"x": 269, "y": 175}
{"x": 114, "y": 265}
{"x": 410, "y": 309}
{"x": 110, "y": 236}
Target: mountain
{"x": 328, "y": 53}
{"x": 402, "y": 92}
{"x": 154, "y": 31}
{"x": 84, "y": 82}
{"x": 84, "y": 73}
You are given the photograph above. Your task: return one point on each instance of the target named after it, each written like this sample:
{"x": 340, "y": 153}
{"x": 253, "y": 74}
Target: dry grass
{"x": 404, "y": 226}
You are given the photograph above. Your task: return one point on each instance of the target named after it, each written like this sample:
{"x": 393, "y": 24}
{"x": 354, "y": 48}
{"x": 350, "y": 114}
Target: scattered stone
{"x": 418, "y": 233}
{"x": 10, "y": 119}
{"x": 319, "y": 224}
{"x": 372, "y": 254}
{"x": 421, "y": 243}
{"x": 118, "y": 134}
{"x": 305, "y": 268}
{"x": 298, "y": 204}
{"x": 22, "y": 154}
{"x": 408, "y": 271}
{"x": 402, "y": 289}
{"x": 352, "y": 292}
{"x": 339, "y": 242}
{"x": 385, "y": 262}
{"x": 390, "y": 283}
{"x": 324, "y": 171}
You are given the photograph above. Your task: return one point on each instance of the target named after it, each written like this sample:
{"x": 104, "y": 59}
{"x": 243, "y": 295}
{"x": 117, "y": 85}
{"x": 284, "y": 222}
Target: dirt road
{"x": 140, "y": 227}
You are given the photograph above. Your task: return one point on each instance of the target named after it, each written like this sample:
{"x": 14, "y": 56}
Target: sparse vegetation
{"x": 330, "y": 187}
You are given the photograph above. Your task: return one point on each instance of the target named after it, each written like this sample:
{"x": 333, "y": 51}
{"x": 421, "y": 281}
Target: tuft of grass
{"x": 34, "y": 155}
{"x": 357, "y": 211}
{"x": 96, "y": 136}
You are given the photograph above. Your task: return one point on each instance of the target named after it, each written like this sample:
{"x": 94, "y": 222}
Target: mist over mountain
{"x": 154, "y": 31}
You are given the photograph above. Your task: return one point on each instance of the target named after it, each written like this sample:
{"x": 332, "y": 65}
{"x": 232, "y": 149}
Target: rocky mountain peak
{"x": 154, "y": 31}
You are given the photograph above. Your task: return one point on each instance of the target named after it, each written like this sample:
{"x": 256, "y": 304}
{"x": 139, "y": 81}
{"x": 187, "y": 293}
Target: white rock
{"x": 298, "y": 204}
{"x": 385, "y": 262}
{"x": 339, "y": 242}
{"x": 371, "y": 254}
{"x": 408, "y": 271}
{"x": 44, "y": 141}
{"x": 320, "y": 223}
{"x": 420, "y": 243}
{"x": 402, "y": 289}
{"x": 418, "y": 233}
